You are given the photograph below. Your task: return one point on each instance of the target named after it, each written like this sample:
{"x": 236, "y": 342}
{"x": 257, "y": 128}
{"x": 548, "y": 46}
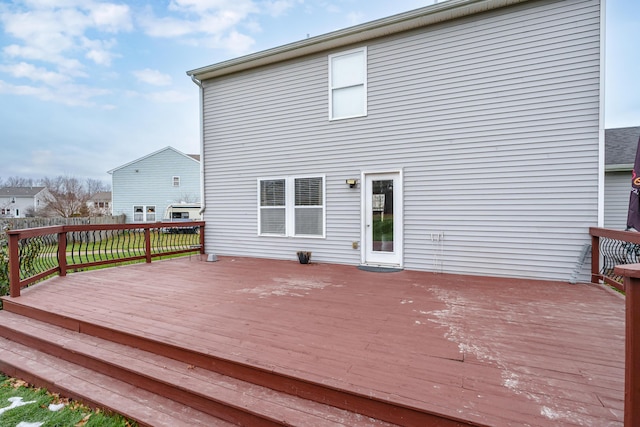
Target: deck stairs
{"x": 157, "y": 384}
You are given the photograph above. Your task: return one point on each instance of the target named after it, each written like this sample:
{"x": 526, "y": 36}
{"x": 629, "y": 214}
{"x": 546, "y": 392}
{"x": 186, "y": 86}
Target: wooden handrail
{"x": 61, "y": 267}
{"x": 631, "y": 273}
{"x": 597, "y": 234}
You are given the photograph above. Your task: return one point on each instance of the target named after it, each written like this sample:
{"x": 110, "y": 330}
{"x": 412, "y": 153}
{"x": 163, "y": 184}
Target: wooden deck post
{"x": 147, "y": 244}
{"x": 595, "y": 259}
{"x": 14, "y": 265}
{"x": 631, "y": 273}
{"x": 202, "y": 239}
{"x": 62, "y": 252}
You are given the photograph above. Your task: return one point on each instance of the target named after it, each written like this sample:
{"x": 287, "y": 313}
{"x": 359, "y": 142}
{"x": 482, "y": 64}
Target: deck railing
{"x": 610, "y": 248}
{"x": 37, "y": 253}
{"x": 615, "y": 260}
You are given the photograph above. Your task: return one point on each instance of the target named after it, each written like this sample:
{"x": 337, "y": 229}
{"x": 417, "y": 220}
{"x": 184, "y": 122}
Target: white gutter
{"x": 406, "y": 21}
{"x": 201, "y": 107}
{"x": 627, "y": 167}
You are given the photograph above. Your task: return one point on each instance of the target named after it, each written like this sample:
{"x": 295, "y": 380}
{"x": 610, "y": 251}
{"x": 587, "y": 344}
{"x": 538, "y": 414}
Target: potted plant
{"x": 304, "y": 257}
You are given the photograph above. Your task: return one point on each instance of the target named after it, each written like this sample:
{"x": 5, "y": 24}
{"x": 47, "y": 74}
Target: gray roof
{"x": 20, "y": 191}
{"x": 195, "y": 157}
{"x": 102, "y": 195}
{"x": 620, "y": 146}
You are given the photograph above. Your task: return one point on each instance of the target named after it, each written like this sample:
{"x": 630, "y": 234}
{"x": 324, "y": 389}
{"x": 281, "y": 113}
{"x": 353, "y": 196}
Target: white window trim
{"x": 331, "y": 88}
{"x": 145, "y": 209}
{"x": 290, "y": 208}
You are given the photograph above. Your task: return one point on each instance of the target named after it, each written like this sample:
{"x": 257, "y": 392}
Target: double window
{"x": 291, "y": 206}
{"x": 348, "y": 84}
{"x": 144, "y": 213}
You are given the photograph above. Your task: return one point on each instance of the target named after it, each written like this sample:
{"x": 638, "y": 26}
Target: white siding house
{"x": 620, "y": 152}
{"x": 17, "y": 202}
{"x": 462, "y": 137}
{"x": 142, "y": 189}
{"x": 100, "y": 204}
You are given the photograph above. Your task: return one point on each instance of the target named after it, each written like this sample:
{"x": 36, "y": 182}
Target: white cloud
{"x": 169, "y": 96}
{"x": 152, "y": 77}
{"x": 166, "y": 27}
{"x": 355, "y": 18}
{"x": 235, "y": 42}
{"x": 112, "y": 17}
{"x": 204, "y": 6}
{"x": 30, "y": 71}
{"x": 69, "y": 94}
{"x": 163, "y": 97}
{"x": 210, "y": 23}
{"x": 278, "y": 7}
{"x": 54, "y": 31}
{"x": 99, "y": 51}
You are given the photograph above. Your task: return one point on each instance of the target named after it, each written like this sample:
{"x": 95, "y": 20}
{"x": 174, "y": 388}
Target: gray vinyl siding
{"x": 149, "y": 181}
{"x": 493, "y": 120}
{"x": 617, "y": 189}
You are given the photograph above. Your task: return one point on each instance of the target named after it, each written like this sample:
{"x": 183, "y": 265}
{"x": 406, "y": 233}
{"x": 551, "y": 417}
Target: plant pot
{"x": 304, "y": 257}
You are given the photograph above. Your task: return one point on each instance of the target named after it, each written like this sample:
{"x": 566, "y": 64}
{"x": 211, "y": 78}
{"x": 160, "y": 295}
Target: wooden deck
{"x": 406, "y": 348}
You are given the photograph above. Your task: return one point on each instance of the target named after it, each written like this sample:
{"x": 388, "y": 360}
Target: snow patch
{"x": 15, "y": 402}
{"x": 56, "y": 408}
{"x": 26, "y": 424}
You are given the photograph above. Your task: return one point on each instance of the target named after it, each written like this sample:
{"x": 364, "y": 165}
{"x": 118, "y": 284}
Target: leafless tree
{"x": 187, "y": 198}
{"x": 95, "y": 186}
{"x": 18, "y": 181}
{"x": 68, "y": 197}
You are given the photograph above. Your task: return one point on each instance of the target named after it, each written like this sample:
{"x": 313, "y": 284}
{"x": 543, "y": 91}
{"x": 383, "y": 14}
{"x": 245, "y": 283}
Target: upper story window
{"x": 348, "y": 84}
{"x": 176, "y": 181}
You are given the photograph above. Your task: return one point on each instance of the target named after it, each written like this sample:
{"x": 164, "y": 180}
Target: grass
{"x": 71, "y": 413}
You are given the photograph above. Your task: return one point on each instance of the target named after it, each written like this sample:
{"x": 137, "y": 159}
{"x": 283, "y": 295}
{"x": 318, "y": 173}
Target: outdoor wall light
{"x": 352, "y": 183}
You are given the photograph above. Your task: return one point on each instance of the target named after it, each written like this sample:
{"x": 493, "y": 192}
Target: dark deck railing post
{"x": 62, "y": 252}
{"x": 14, "y": 265}
{"x": 595, "y": 259}
{"x": 147, "y": 243}
{"x": 202, "y": 239}
{"x": 631, "y": 273}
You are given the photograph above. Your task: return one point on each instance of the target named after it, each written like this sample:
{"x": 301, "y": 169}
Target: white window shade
{"x": 309, "y": 206}
{"x": 273, "y": 221}
{"x": 348, "y": 102}
{"x": 348, "y": 69}
{"x": 273, "y": 207}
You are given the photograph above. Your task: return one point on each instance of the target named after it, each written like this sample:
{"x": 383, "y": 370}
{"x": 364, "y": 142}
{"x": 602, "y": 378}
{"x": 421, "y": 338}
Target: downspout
{"x": 601, "y": 116}
{"x": 201, "y": 107}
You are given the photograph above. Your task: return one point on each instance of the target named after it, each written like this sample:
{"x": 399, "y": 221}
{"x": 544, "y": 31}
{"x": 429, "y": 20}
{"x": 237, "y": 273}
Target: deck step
{"x": 98, "y": 390}
{"x": 202, "y": 391}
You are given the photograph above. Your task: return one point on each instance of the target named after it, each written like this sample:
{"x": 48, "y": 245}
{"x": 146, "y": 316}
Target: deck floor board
{"x": 493, "y": 351}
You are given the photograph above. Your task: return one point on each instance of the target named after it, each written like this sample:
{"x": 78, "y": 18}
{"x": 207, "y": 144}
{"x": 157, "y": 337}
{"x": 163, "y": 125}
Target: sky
{"x": 89, "y": 85}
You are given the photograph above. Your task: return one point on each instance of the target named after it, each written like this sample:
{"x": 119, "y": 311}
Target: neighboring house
{"x": 17, "y": 202}
{"x": 100, "y": 204}
{"x": 461, "y": 137}
{"x": 144, "y": 188}
{"x": 620, "y": 153}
